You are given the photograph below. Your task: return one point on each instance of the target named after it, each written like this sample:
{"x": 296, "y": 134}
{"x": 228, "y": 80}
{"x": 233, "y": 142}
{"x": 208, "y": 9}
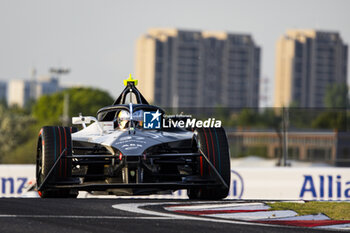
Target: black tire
{"x": 213, "y": 143}
{"x": 51, "y": 143}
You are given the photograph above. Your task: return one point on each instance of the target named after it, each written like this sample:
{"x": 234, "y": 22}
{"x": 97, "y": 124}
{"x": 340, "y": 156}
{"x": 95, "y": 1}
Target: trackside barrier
{"x": 288, "y": 183}
{"x": 246, "y": 183}
{"x": 15, "y": 179}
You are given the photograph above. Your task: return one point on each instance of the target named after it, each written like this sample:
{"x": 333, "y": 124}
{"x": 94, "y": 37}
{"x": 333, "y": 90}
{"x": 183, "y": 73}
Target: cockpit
{"x": 128, "y": 109}
{"x": 125, "y": 120}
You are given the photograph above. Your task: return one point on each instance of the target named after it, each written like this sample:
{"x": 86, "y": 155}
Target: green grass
{"x": 334, "y": 210}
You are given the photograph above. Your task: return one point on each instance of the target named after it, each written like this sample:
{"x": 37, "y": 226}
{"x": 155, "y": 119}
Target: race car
{"x": 125, "y": 150}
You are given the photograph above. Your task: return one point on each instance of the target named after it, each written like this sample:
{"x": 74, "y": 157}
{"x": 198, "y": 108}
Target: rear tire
{"x": 213, "y": 143}
{"x": 51, "y": 143}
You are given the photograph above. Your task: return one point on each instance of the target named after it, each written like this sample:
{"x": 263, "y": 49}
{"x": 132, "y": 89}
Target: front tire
{"x": 51, "y": 143}
{"x": 213, "y": 143}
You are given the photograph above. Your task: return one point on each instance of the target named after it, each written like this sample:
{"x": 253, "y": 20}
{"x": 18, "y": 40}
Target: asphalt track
{"x": 115, "y": 215}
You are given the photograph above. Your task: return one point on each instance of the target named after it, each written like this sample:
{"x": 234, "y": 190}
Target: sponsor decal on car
{"x": 153, "y": 120}
{"x": 191, "y": 123}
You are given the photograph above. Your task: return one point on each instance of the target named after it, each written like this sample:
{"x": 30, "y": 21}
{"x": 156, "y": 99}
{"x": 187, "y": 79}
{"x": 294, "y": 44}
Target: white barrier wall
{"x": 291, "y": 183}
{"x": 246, "y": 183}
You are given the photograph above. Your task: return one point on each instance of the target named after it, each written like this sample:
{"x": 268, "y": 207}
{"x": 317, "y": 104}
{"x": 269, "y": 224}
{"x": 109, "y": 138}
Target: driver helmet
{"x": 123, "y": 119}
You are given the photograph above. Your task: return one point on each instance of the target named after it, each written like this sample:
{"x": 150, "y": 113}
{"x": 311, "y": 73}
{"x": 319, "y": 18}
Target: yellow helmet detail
{"x": 130, "y": 79}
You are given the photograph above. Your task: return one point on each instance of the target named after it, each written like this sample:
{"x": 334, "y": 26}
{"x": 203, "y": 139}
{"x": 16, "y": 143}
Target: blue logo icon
{"x": 237, "y": 185}
{"x": 151, "y": 120}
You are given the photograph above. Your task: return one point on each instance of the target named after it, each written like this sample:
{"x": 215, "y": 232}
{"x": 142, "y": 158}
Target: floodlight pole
{"x": 65, "y": 117}
{"x": 59, "y": 72}
{"x": 285, "y": 122}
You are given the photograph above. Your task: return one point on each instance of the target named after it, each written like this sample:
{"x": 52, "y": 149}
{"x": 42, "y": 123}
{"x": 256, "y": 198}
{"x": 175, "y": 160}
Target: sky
{"x": 96, "y": 38}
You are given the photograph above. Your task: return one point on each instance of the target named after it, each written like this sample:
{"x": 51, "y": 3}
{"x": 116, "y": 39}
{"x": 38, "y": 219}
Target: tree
{"x": 303, "y": 118}
{"x": 14, "y": 130}
{"x": 248, "y": 118}
{"x": 337, "y": 96}
{"x": 266, "y": 119}
{"x": 19, "y": 128}
{"x": 331, "y": 120}
{"x": 49, "y": 109}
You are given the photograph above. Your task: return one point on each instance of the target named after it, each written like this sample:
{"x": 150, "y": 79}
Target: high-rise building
{"x": 3, "y": 91}
{"x": 19, "y": 92}
{"x": 22, "y": 91}
{"x": 45, "y": 85}
{"x": 181, "y": 68}
{"x": 307, "y": 62}
{"x": 265, "y": 93}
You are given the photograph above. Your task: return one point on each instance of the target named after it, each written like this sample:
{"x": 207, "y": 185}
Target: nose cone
{"x": 134, "y": 144}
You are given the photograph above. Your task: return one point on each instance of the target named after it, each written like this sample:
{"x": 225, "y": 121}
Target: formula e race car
{"x": 127, "y": 151}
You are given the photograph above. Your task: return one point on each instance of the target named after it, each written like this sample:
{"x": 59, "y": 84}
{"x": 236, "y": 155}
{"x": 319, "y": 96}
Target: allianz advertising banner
{"x": 15, "y": 179}
{"x": 282, "y": 183}
{"x": 287, "y": 183}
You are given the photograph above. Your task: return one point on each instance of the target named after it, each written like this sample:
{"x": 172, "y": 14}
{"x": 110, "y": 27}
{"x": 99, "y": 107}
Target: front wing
{"x": 186, "y": 183}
